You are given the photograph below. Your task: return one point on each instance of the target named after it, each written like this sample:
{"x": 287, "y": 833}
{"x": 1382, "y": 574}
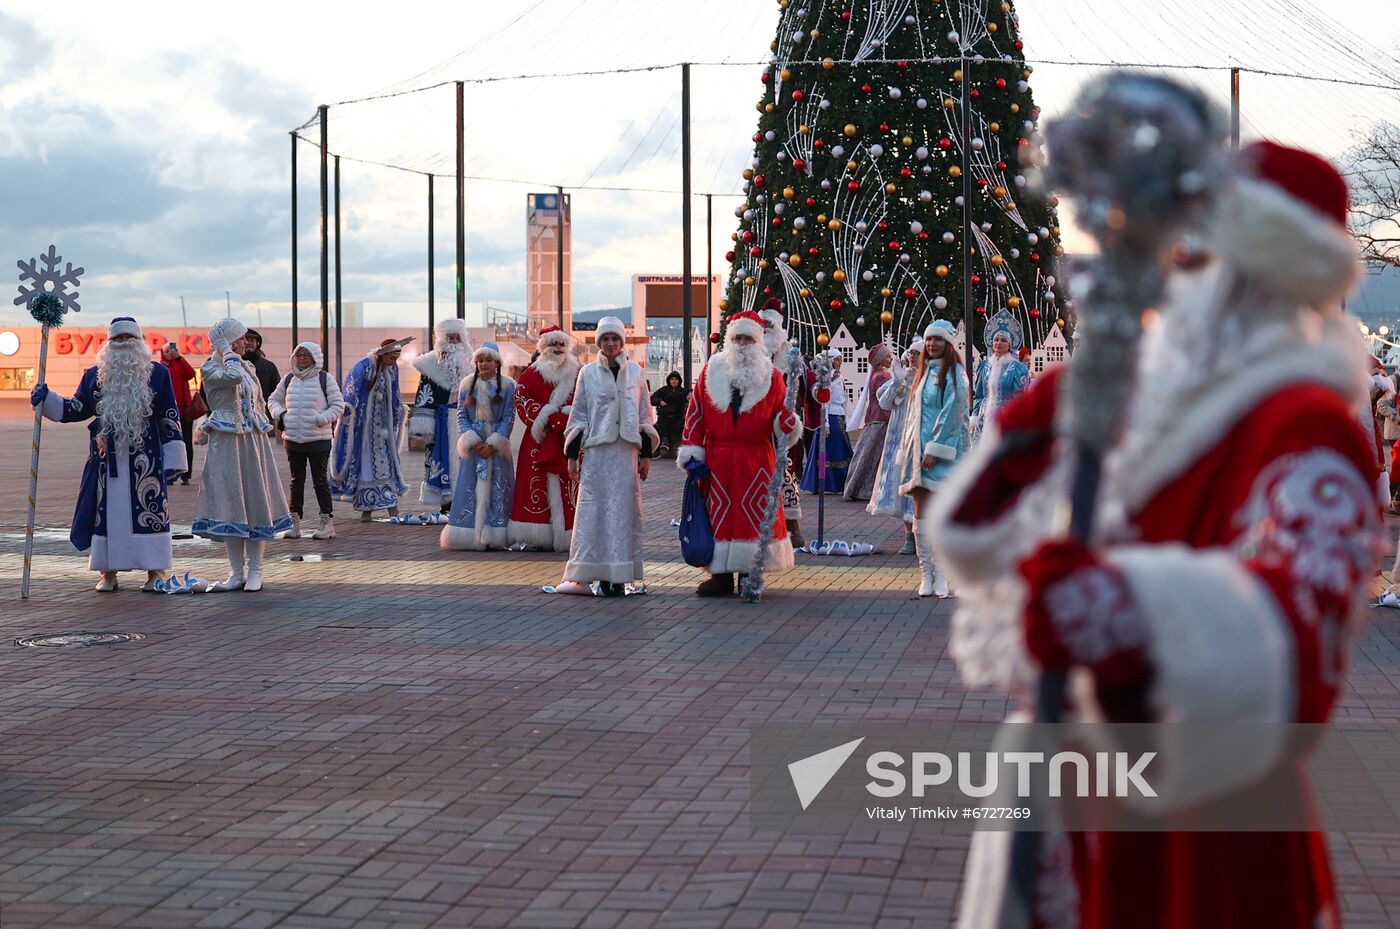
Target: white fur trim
{"x": 431, "y": 367}
{"x": 124, "y": 327}
{"x": 541, "y": 423}
{"x": 535, "y": 535}
{"x": 650, "y": 431}
{"x": 226, "y": 331}
{"x": 422, "y": 424}
{"x": 610, "y": 325}
{"x": 445, "y": 327}
{"x": 737, "y": 557}
{"x": 466, "y": 442}
{"x": 941, "y": 451}
{"x": 1222, "y": 654}
{"x": 52, "y": 407}
{"x": 500, "y": 443}
{"x": 743, "y": 327}
{"x": 174, "y": 457}
{"x": 754, "y": 385}
{"x": 1284, "y": 242}
{"x": 573, "y": 433}
{"x": 688, "y": 453}
{"x": 459, "y": 539}
{"x": 557, "y": 337}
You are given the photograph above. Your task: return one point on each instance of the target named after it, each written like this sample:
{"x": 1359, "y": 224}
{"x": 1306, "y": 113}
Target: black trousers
{"x": 187, "y": 433}
{"x": 318, "y": 455}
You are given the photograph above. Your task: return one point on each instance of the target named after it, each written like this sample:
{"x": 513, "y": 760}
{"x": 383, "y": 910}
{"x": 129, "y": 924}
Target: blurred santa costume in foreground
{"x": 737, "y": 408}
{"x": 1238, "y": 527}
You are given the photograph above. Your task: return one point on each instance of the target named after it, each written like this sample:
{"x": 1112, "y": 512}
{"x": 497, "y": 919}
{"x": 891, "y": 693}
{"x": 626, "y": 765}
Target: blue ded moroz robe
{"x": 121, "y": 515}
{"x": 365, "y": 469}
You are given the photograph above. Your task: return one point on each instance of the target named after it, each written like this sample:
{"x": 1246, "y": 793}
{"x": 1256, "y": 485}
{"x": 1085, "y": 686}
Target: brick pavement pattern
{"x": 395, "y": 736}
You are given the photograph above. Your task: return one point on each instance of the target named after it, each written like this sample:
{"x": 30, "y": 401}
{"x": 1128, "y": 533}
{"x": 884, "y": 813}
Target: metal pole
{"x": 709, "y": 259}
{"x": 461, "y": 205}
{"x": 184, "y": 320}
{"x": 294, "y": 241}
{"x": 431, "y": 322}
{"x": 1234, "y": 109}
{"x": 228, "y": 305}
{"x": 968, "y": 237}
{"x": 325, "y": 233}
{"x": 687, "y": 296}
{"x": 559, "y": 259}
{"x": 339, "y": 362}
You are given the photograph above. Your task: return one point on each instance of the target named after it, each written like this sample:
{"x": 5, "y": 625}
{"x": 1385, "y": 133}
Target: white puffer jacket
{"x": 310, "y": 414}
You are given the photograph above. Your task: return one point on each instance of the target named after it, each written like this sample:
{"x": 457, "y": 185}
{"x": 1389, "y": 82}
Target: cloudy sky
{"x": 151, "y": 141}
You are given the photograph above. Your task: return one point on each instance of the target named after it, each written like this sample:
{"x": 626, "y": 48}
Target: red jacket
{"x": 181, "y": 373}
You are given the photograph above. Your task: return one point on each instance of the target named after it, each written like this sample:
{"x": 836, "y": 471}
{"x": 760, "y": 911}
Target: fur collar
{"x": 430, "y": 366}
{"x": 485, "y": 388}
{"x": 565, "y": 373}
{"x": 752, "y": 382}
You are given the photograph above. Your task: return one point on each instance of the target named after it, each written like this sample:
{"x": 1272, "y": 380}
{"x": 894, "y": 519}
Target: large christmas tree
{"x": 854, "y": 211}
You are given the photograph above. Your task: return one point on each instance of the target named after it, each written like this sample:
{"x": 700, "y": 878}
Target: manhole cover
{"x": 76, "y": 639}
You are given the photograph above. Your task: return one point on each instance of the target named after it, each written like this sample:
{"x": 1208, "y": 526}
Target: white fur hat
{"x": 553, "y": 335}
{"x": 610, "y": 324}
{"x": 445, "y": 327}
{"x": 488, "y": 350}
{"x": 226, "y": 330}
{"x": 942, "y": 329}
{"x": 746, "y": 323}
{"x": 124, "y": 325}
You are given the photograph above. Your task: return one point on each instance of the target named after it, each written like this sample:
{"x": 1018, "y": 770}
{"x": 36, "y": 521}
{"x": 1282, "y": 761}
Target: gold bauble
{"x": 838, "y": 276}
{"x": 1013, "y": 302}
{"x": 1060, "y": 323}
{"x": 1006, "y": 8}
{"x": 941, "y": 270}
{"x": 948, "y": 103}
{"x": 822, "y": 219}
{"x": 787, "y": 74}
{"x": 795, "y": 261}
{"x": 804, "y": 292}
{"x": 891, "y": 188}
{"x": 957, "y": 75}
{"x": 995, "y": 127}
{"x": 1015, "y": 108}
{"x": 758, "y": 106}
{"x": 886, "y": 292}
{"x": 823, "y": 339}
{"x": 1000, "y": 191}
{"x": 815, "y": 33}
{"x": 1025, "y": 75}
{"x": 954, "y": 171}
{"x": 789, "y": 193}
{"x": 803, "y": 130}
{"x": 749, "y": 282}
{"x": 828, "y": 63}
{"x": 850, "y": 129}
{"x": 724, "y": 304}
{"x": 851, "y": 166}
{"x": 991, "y": 27}
{"x": 998, "y": 261}
{"x": 886, "y": 317}
{"x": 763, "y": 263}
{"x": 748, "y": 174}
{"x": 768, "y": 108}
{"x": 733, "y": 236}
{"x": 907, "y": 141}
{"x": 834, "y": 225}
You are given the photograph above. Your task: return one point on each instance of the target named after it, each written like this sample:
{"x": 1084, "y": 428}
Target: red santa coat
{"x": 1247, "y": 529}
{"x": 740, "y": 455}
{"x": 542, "y": 509}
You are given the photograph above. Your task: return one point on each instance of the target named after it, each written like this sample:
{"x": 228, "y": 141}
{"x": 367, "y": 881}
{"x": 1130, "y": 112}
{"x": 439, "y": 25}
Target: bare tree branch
{"x": 1373, "y": 171}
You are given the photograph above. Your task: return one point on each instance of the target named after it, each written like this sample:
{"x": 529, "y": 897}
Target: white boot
{"x": 235, "y": 561}
{"x": 923, "y": 547}
{"x": 940, "y": 584}
{"x": 295, "y": 531}
{"x": 326, "y": 530}
{"x": 255, "y": 565}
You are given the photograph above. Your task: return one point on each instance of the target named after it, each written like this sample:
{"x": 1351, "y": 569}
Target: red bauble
{"x": 758, "y": 137}
{"x": 811, "y": 201}
{"x": 910, "y": 293}
{"x": 894, "y": 245}
{"x": 1019, "y": 45}
{"x": 747, "y": 236}
{"x": 884, "y": 127}
{"x": 906, "y": 172}
{"x": 765, "y": 77}
{"x": 755, "y": 251}
{"x": 901, "y": 65}
{"x": 923, "y": 237}
{"x": 814, "y": 251}
{"x": 799, "y": 164}
{"x": 846, "y": 14}
{"x": 975, "y": 279}
{"x": 1023, "y": 141}
{"x": 823, "y": 394}
{"x": 758, "y": 180}
{"x": 945, "y": 144}
{"x": 728, "y": 256}
{"x": 1035, "y": 314}
{"x": 981, "y": 311}
{"x": 975, "y": 94}
{"x": 818, "y": 144}
{"x": 981, "y": 182}
{"x": 836, "y": 304}
{"x": 714, "y": 338}
{"x": 866, "y": 88}
{"x": 798, "y": 95}
{"x": 1035, "y": 257}
{"x": 1001, "y": 83}
{"x": 1001, "y": 166}
{"x": 853, "y": 185}
{"x": 777, "y": 220}
{"x": 767, "y": 291}
{"x": 883, "y": 225}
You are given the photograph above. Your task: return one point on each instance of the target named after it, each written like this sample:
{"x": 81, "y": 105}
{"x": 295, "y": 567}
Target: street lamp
{"x": 1384, "y": 331}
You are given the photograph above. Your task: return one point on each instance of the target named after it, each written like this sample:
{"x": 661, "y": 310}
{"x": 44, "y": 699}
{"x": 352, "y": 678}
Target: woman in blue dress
{"x": 885, "y": 499}
{"x": 1001, "y": 375}
{"x": 485, "y": 482}
{"x": 935, "y": 439}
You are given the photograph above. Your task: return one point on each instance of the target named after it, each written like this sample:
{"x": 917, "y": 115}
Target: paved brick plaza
{"x": 398, "y": 737}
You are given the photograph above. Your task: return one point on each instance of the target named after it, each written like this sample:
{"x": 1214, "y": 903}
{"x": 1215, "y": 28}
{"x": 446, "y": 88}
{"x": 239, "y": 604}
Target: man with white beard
{"x": 736, "y": 411}
{"x": 442, "y": 371}
{"x": 775, "y": 340}
{"x": 135, "y": 449}
{"x": 542, "y": 511}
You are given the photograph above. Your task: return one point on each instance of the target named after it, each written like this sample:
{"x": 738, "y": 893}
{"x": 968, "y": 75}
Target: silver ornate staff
{"x": 1142, "y": 157}
{"x": 753, "y": 584}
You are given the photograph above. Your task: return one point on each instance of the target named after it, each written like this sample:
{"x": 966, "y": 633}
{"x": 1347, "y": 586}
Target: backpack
{"x": 322, "y": 376}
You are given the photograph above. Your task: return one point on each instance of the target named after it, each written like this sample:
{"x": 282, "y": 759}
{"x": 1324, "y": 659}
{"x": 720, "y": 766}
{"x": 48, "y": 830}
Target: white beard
{"x": 746, "y": 368}
{"x": 555, "y": 369}
{"x": 776, "y": 341}
{"x": 456, "y": 363}
{"x": 125, "y": 403}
